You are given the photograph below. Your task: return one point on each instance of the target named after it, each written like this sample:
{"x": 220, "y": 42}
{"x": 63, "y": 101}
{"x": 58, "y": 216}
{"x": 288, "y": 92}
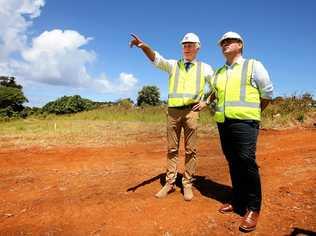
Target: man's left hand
{"x": 199, "y": 107}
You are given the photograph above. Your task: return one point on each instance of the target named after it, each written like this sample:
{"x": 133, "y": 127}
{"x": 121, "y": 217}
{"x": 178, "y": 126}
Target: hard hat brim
{"x": 188, "y": 42}
{"x": 221, "y": 40}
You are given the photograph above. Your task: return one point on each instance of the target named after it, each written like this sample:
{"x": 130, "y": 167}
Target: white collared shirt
{"x": 260, "y": 78}
{"x": 168, "y": 65}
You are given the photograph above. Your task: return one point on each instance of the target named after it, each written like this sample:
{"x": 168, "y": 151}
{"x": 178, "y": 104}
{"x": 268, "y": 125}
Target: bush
{"x": 32, "y": 111}
{"x": 287, "y": 110}
{"x": 68, "y": 105}
{"x": 148, "y": 95}
{"x": 126, "y": 103}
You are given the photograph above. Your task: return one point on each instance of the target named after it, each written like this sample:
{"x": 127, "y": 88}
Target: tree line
{"x": 12, "y": 100}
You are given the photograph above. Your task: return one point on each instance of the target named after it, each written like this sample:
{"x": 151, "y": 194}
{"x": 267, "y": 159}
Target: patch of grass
{"x": 115, "y": 125}
{"x": 121, "y": 113}
{"x": 300, "y": 117}
{"x": 106, "y": 126}
{"x": 288, "y": 112}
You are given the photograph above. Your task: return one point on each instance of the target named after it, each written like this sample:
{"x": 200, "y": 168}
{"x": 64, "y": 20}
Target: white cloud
{"x": 31, "y": 7}
{"x": 54, "y": 57}
{"x": 127, "y": 81}
{"x": 102, "y": 84}
{"x": 14, "y": 21}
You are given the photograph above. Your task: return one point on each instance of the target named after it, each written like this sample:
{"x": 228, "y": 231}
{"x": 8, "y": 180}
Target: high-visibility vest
{"x": 186, "y": 87}
{"x": 237, "y": 98}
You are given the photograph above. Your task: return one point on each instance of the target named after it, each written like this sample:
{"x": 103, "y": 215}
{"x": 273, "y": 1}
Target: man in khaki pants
{"x": 187, "y": 79}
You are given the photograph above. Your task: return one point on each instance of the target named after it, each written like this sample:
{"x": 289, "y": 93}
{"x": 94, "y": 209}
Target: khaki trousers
{"x": 187, "y": 119}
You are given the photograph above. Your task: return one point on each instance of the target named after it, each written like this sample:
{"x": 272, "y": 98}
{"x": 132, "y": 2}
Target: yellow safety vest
{"x": 186, "y": 87}
{"x": 237, "y": 98}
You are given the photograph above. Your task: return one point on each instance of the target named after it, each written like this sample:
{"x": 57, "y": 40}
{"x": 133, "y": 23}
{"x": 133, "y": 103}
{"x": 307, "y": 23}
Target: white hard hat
{"x": 230, "y": 35}
{"x": 190, "y": 38}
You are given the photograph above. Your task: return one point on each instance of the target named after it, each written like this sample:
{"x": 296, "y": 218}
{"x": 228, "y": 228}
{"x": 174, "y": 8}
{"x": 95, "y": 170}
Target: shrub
{"x": 68, "y": 105}
{"x": 148, "y": 95}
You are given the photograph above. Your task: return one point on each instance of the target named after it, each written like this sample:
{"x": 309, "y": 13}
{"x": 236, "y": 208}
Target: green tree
{"x": 11, "y": 97}
{"x": 148, "y": 95}
{"x": 8, "y": 81}
{"x": 68, "y": 104}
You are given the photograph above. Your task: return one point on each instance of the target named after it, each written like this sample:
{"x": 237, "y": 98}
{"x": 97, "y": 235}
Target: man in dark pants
{"x": 238, "y": 139}
{"x": 243, "y": 89}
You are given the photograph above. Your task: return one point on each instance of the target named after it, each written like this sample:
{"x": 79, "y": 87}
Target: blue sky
{"x": 63, "y": 47}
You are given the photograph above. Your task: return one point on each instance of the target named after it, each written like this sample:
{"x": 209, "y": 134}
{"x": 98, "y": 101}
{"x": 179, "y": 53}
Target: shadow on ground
{"x": 205, "y": 186}
{"x": 302, "y": 232}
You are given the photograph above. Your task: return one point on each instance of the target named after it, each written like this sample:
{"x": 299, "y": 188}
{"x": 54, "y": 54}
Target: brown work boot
{"x": 187, "y": 193}
{"x": 249, "y": 222}
{"x": 226, "y": 208}
{"x": 168, "y": 188}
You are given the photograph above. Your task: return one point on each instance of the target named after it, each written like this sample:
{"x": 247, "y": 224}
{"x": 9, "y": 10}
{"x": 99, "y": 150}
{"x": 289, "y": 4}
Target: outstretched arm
{"x": 136, "y": 41}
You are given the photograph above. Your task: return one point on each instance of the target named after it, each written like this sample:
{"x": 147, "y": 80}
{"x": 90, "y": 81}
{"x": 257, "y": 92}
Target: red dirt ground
{"x": 110, "y": 191}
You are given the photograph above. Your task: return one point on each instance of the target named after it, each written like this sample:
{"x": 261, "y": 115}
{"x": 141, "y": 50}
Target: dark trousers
{"x": 238, "y": 140}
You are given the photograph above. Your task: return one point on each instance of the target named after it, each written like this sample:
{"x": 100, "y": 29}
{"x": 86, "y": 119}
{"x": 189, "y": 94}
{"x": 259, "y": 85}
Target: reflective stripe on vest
{"x": 242, "y": 103}
{"x": 175, "y": 94}
{"x": 185, "y": 95}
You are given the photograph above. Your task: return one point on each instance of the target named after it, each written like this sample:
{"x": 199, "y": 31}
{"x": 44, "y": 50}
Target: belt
{"x": 190, "y": 106}
{"x": 231, "y": 120}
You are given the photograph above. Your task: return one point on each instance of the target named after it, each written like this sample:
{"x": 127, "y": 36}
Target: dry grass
{"x": 289, "y": 112}
{"x": 75, "y": 132}
{"x": 83, "y": 133}
{"x": 120, "y": 126}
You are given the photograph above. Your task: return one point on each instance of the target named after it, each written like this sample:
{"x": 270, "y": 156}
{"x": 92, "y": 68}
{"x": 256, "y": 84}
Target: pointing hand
{"x": 135, "y": 41}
